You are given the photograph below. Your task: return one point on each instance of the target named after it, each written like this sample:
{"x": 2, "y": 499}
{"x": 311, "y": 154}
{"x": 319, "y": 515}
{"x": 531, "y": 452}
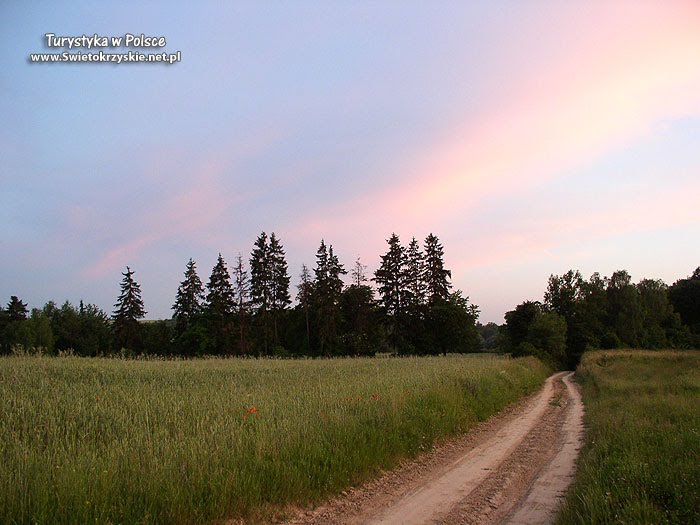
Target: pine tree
{"x": 189, "y": 299}
{"x": 435, "y": 276}
{"x": 279, "y": 283}
{"x": 414, "y": 269}
{"x": 16, "y": 309}
{"x": 328, "y": 288}
{"x": 260, "y": 274}
{"x": 390, "y": 277}
{"x": 129, "y": 309}
{"x": 241, "y": 299}
{"x": 220, "y": 305}
{"x": 305, "y": 291}
{"x": 269, "y": 285}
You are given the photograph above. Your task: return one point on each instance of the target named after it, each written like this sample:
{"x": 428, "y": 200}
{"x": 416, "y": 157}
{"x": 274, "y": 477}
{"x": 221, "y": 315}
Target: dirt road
{"x": 514, "y": 468}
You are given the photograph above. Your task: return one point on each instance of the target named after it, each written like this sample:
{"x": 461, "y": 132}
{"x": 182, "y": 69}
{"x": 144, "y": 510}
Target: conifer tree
{"x": 241, "y": 299}
{"x": 435, "y": 276}
{"x": 328, "y": 288}
{"x": 390, "y": 277}
{"x": 220, "y": 305}
{"x": 260, "y": 274}
{"x": 269, "y": 285}
{"x": 189, "y": 299}
{"x": 16, "y": 309}
{"x": 390, "y": 280}
{"x": 128, "y": 310}
{"x": 279, "y": 283}
{"x": 305, "y": 291}
{"x": 414, "y": 269}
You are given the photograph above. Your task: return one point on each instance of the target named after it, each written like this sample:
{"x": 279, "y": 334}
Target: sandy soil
{"x": 513, "y": 468}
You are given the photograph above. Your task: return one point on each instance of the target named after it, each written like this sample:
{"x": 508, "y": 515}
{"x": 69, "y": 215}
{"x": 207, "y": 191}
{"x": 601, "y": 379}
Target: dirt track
{"x": 513, "y": 468}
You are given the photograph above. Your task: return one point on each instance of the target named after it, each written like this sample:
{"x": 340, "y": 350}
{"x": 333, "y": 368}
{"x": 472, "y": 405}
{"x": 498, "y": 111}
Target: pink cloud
{"x": 196, "y": 207}
{"x": 613, "y": 90}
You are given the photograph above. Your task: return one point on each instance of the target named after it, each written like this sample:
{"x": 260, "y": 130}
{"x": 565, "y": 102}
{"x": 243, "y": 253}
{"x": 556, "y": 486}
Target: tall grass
{"x": 642, "y": 460}
{"x": 99, "y": 440}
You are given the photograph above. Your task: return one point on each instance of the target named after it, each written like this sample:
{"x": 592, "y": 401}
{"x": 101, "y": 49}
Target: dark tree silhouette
{"x": 435, "y": 277}
{"x": 128, "y": 310}
{"x": 220, "y": 306}
{"x": 241, "y": 299}
{"x": 189, "y": 300}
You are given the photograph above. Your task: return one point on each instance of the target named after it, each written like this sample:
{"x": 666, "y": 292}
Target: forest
{"x": 408, "y": 307}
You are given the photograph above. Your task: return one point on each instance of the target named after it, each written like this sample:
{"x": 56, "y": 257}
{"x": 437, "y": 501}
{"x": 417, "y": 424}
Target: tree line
{"x": 577, "y": 314}
{"x": 246, "y": 309}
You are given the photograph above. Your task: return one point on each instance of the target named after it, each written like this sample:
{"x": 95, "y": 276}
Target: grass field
{"x": 100, "y": 440}
{"x": 642, "y": 460}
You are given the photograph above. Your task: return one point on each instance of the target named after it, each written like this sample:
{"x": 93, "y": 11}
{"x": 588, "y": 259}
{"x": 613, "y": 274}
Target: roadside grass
{"x": 119, "y": 441}
{"x": 641, "y": 463}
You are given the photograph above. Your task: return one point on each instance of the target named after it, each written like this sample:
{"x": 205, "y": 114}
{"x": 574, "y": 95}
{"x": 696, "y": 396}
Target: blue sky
{"x": 531, "y": 137}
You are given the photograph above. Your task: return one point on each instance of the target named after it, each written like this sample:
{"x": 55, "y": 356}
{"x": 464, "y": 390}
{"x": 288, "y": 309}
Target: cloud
{"x": 187, "y": 209}
{"x": 640, "y": 70}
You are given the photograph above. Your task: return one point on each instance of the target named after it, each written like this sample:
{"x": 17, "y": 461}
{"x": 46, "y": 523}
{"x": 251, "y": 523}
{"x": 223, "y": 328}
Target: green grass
{"x": 641, "y": 463}
{"x": 100, "y": 440}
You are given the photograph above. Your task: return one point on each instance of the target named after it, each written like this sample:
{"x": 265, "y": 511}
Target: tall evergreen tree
{"x": 413, "y": 322}
{"x": 16, "y": 309}
{"x": 390, "y": 280}
{"x": 435, "y": 276}
{"x": 327, "y": 290}
{"x": 269, "y": 286}
{"x": 305, "y": 291}
{"x": 260, "y": 275}
{"x": 220, "y": 306}
{"x": 189, "y": 299}
{"x": 241, "y": 299}
{"x": 414, "y": 270}
{"x": 279, "y": 284}
{"x": 128, "y": 310}
{"x": 390, "y": 277}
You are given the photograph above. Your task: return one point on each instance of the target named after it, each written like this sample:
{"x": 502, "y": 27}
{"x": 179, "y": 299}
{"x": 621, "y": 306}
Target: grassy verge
{"x": 98, "y": 440}
{"x": 641, "y": 463}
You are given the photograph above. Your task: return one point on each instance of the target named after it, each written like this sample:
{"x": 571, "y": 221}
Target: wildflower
{"x": 376, "y": 396}
{"x": 251, "y": 410}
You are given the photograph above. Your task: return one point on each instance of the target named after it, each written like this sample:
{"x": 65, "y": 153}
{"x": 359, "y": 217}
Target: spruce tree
{"x": 305, "y": 291}
{"x": 390, "y": 277}
{"x": 390, "y": 280}
{"x": 260, "y": 273}
{"x": 435, "y": 276}
{"x": 220, "y": 306}
{"x": 414, "y": 269}
{"x": 189, "y": 299}
{"x": 16, "y": 309}
{"x": 328, "y": 288}
{"x": 241, "y": 299}
{"x": 279, "y": 284}
{"x": 128, "y": 310}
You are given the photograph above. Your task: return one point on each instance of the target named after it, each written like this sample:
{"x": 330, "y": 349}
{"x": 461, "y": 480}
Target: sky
{"x": 532, "y": 137}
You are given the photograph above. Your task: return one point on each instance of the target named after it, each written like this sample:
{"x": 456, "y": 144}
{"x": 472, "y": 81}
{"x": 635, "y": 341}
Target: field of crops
{"x": 642, "y": 461}
{"x": 107, "y": 440}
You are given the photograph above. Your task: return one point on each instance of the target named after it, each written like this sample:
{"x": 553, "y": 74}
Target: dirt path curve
{"x": 513, "y": 468}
